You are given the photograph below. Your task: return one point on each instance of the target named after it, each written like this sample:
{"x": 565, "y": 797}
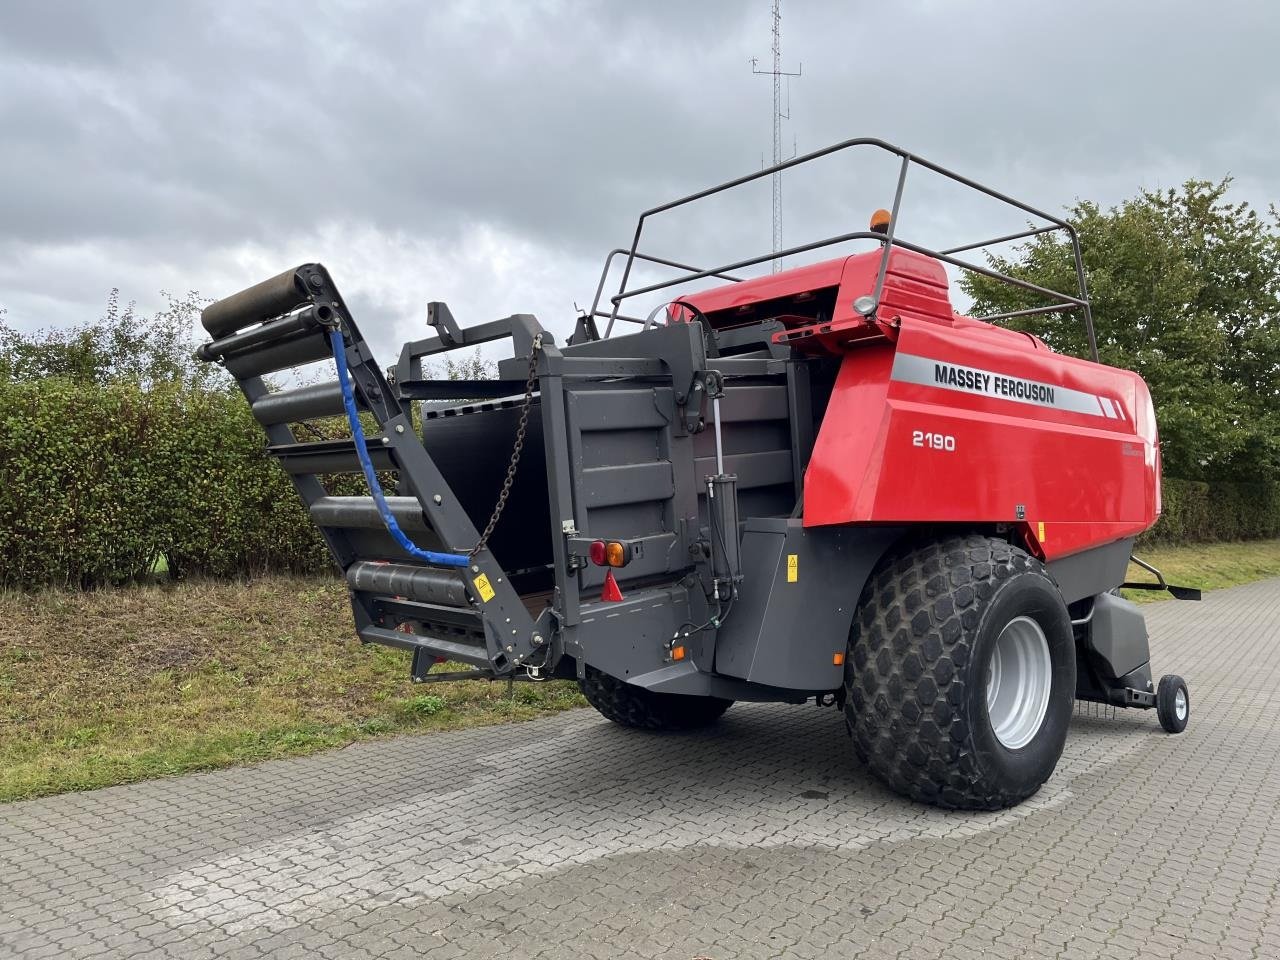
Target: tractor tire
{"x": 633, "y": 706}
{"x": 941, "y": 629}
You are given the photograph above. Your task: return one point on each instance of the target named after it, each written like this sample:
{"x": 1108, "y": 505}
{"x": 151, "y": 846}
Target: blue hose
{"x": 375, "y": 488}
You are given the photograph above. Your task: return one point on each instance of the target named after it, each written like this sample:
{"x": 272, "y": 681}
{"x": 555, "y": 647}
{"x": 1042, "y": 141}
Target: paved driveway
{"x": 569, "y": 837}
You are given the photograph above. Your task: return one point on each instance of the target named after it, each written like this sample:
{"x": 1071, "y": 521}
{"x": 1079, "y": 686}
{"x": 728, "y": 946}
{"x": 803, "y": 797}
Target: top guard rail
{"x": 888, "y": 240}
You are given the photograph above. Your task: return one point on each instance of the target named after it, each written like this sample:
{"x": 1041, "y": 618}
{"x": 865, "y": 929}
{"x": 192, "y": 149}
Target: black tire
{"x": 916, "y": 673}
{"x": 634, "y": 706}
{"x": 1171, "y": 718}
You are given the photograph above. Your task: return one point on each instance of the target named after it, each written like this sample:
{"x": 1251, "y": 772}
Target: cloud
{"x": 490, "y": 154}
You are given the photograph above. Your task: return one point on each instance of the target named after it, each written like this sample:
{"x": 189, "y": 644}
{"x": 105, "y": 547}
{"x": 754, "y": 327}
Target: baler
{"x": 821, "y": 484}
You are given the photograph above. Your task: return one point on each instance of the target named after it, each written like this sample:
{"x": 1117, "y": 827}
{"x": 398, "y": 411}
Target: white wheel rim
{"x": 1180, "y": 705}
{"x": 1019, "y": 680}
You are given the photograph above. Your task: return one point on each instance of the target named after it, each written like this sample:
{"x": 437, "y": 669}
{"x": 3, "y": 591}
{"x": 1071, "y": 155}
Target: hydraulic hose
{"x": 370, "y": 475}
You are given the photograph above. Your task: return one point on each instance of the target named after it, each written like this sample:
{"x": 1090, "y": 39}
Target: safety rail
{"x": 887, "y": 240}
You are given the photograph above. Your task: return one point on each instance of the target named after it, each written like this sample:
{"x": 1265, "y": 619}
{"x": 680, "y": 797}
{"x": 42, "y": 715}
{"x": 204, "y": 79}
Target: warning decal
{"x": 793, "y": 568}
{"x": 484, "y": 588}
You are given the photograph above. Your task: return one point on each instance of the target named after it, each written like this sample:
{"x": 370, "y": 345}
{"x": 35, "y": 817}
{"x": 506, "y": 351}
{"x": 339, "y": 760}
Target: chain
{"x": 516, "y": 450}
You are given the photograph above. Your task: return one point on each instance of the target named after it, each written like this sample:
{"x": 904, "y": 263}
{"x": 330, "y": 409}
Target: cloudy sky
{"x": 490, "y": 153}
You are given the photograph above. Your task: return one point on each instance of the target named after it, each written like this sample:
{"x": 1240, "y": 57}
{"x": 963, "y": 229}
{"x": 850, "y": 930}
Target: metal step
{"x": 474, "y": 656}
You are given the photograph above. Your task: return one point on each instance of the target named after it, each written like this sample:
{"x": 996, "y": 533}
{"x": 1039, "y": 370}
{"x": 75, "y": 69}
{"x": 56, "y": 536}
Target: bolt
{"x": 537, "y": 640}
{"x": 438, "y": 499}
{"x": 510, "y": 648}
{"x": 399, "y": 428}
{"x": 316, "y": 281}
{"x": 474, "y": 568}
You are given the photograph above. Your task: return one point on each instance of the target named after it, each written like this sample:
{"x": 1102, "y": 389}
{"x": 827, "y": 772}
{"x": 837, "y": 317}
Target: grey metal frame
{"x": 887, "y": 240}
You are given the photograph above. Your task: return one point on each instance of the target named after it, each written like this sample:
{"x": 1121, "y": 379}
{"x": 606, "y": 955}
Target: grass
{"x": 115, "y": 686}
{"x": 1209, "y": 566}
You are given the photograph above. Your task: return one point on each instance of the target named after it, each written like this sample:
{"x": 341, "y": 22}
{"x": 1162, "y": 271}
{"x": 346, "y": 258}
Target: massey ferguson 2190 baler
{"x": 822, "y": 483}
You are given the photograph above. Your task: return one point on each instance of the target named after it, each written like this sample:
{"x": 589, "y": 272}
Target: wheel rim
{"x": 1180, "y": 705}
{"x": 1019, "y": 680}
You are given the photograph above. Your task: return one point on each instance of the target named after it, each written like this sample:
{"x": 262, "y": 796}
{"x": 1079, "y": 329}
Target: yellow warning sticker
{"x": 793, "y": 568}
{"x": 1041, "y": 531}
{"x": 484, "y": 588}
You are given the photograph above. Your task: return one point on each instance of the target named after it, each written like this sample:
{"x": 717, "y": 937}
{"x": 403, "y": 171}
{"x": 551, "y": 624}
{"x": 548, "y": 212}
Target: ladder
{"x": 441, "y": 597}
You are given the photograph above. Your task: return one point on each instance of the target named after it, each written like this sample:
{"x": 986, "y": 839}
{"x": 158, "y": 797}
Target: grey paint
{"x": 1117, "y": 637}
{"x": 1092, "y": 572}
{"x": 785, "y": 633}
{"x": 631, "y": 638}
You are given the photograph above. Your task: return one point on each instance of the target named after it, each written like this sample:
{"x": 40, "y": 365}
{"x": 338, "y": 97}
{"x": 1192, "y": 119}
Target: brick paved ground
{"x": 569, "y": 837}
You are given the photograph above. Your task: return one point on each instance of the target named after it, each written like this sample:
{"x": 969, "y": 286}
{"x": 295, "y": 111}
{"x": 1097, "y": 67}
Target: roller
{"x": 294, "y": 352}
{"x": 262, "y": 301}
{"x": 403, "y": 580}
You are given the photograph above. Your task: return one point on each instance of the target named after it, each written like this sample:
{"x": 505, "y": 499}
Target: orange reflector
{"x": 837, "y": 658}
{"x": 677, "y": 653}
{"x": 880, "y": 221}
{"x": 615, "y": 553}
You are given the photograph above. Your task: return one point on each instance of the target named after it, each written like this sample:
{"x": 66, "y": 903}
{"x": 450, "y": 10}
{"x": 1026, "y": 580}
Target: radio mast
{"x": 779, "y": 114}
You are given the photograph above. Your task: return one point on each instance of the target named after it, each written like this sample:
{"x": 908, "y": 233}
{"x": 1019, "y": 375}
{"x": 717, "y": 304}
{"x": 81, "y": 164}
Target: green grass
{"x": 114, "y": 686}
{"x": 1209, "y": 566}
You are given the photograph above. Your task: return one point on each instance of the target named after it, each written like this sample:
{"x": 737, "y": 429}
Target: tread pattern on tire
{"x": 633, "y": 706}
{"x": 904, "y": 676}
{"x": 1165, "y": 710}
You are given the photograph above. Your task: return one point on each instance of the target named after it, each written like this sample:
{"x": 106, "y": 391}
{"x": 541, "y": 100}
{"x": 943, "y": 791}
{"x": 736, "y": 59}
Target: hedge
{"x": 99, "y": 482}
{"x": 1199, "y": 512}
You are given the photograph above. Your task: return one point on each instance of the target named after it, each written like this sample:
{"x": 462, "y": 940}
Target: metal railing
{"x": 888, "y": 240}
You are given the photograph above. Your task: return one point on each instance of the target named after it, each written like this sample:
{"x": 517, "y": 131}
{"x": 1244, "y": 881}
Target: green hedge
{"x": 1199, "y": 512}
{"x": 99, "y": 482}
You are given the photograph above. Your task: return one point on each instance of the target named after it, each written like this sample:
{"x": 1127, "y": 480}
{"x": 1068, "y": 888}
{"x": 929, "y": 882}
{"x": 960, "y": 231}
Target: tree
{"x": 1185, "y": 290}
{"x": 118, "y": 347}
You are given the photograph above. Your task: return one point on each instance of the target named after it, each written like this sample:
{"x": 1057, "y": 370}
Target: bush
{"x": 99, "y": 481}
{"x": 1202, "y": 512}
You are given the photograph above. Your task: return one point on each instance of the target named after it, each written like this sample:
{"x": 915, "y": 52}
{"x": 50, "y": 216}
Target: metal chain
{"x": 516, "y": 450}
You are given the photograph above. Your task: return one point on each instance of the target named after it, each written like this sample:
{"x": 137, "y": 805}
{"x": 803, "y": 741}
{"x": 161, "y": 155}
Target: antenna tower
{"x": 779, "y": 114}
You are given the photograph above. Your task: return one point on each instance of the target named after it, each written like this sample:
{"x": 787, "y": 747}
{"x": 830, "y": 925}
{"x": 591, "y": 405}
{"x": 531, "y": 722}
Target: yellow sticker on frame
{"x": 793, "y": 568}
{"x": 484, "y": 588}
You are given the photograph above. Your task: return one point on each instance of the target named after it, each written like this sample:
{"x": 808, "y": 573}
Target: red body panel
{"x": 941, "y": 418}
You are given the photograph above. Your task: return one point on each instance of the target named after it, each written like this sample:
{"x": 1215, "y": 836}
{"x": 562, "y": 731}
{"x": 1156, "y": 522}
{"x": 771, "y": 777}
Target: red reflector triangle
{"x": 610, "y": 593}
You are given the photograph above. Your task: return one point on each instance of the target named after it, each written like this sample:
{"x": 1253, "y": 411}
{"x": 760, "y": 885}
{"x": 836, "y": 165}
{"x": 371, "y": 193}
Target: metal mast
{"x": 779, "y": 114}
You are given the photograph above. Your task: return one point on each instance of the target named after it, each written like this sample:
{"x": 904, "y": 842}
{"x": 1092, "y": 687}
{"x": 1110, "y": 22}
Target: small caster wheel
{"x": 1173, "y": 703}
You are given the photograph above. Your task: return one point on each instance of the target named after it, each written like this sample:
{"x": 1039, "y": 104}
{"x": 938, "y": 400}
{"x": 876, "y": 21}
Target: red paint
{"x": 1090, "y": 479}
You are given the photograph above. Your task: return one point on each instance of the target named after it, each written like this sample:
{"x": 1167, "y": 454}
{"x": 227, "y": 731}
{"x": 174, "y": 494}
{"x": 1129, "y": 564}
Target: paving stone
{"x": 570, "y": 837}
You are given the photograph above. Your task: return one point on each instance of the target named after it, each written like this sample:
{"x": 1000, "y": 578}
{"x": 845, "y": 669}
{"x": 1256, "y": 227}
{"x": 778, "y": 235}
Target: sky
{"x": 489, "y": 154}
